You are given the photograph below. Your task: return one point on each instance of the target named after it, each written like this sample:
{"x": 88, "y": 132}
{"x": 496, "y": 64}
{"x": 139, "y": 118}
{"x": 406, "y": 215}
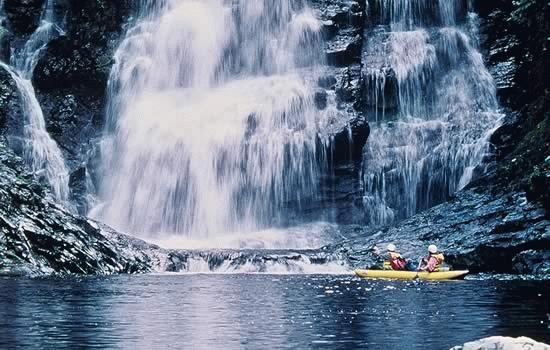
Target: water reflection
{"x": 262, "y": 311}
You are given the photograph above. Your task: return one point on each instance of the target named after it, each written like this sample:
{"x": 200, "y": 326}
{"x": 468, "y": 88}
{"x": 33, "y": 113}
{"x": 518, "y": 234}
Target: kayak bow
{"x": 411, "y": 275}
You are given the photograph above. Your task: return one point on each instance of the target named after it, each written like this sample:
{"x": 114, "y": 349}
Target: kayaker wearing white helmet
{"x": 433, "y": 262}
{"x": 394, "y": 261}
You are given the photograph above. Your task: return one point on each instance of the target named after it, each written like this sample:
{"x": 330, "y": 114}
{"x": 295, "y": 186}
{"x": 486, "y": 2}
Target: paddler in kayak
{"x": 393, "y": 260}
{"x": 433, "y": 262}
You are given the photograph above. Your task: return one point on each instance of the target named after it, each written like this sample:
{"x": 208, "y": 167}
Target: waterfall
{"x": 433, "y": 133}
{"x": 211, "y": 119}
{"x": 40, "y": 152}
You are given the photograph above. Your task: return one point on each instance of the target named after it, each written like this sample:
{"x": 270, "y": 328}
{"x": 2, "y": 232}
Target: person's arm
{"x": 421, "y": 264}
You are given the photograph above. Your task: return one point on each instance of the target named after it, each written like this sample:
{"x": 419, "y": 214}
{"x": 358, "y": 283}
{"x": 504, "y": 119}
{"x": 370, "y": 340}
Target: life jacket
{"x": 439, "y": 258}
{"x": 395, "y": 262}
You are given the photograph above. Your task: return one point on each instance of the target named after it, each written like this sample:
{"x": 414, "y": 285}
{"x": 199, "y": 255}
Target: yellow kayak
{"x": 411, "y": 275}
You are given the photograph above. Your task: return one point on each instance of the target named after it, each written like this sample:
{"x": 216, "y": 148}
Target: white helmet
{"x": 391, "y": 247}
{"x": 432, "y": 248}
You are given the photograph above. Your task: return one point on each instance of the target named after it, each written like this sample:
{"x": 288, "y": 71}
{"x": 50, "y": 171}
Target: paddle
{"x": 419, "y": 264}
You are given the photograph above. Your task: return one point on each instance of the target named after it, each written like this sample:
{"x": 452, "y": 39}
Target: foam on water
{"x": 306, "y": 236}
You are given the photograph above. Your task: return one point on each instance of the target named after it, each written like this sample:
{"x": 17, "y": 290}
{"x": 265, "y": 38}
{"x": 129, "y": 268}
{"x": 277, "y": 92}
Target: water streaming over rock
{"x": 40, "y": 152}
{"x": 434, "y": 104}
{"x": 212, "y": 116}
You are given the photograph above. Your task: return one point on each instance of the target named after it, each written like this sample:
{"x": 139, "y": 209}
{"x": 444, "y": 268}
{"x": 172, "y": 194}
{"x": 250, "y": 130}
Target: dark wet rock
{"x": 9, "y": 98}
{"x": 66, "y": 65}
{"x": 37, "y": 237}
{"x": 381, "y": 91}
{"x": 11, "y": 114}
{"x": 343, "y": 50}
{"x": 5, "y": 44}
{"x": 378, "y": 79}
{"x": 514, "y": 36}
{"x": 23, "y": 15}
{"x": 342, "y": 13}
{"x": 96, "y": 21}
{"x": 348, "y": 143}
{"x": 523, "y": 150}
{"x": 82, "y": 58}
{"x": 343, "y": 194}
{"x": 343, "y": 46}
{"x": 504, "y": 139}
{"x": 343, "y": 22}
{"x": 327, "y": 81}
{"x": 533, "y": 261}
{"x": 538, "y": 185}
{"x": 79, "y": 186}
{"x": 320, "y": 99}
{"x": 339, "y": 195}
{"x": 348, "y": 87}
{"x": 74, "y": 121}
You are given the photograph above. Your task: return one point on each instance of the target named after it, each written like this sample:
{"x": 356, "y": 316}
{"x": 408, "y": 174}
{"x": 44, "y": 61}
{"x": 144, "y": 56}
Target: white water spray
{"x": 212, "y": 117}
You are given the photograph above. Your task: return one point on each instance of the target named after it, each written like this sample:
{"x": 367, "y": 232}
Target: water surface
{"x": 265, "y": 311}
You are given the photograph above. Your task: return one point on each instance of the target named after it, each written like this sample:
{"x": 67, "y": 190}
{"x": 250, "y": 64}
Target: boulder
{"x": 503, "y": 343}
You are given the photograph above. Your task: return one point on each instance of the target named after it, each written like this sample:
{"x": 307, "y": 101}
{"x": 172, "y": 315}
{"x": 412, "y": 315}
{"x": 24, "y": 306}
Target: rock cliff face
{"x": 514, "y": 36}
{"x": 500, "y": 223}
{"x": 343, "y": 24}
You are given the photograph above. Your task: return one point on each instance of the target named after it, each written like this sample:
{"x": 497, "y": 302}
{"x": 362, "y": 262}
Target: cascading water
{"x": 212, "y": 117}
{"x": 40, "y": 152}
{"x": 434, "y": 104}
